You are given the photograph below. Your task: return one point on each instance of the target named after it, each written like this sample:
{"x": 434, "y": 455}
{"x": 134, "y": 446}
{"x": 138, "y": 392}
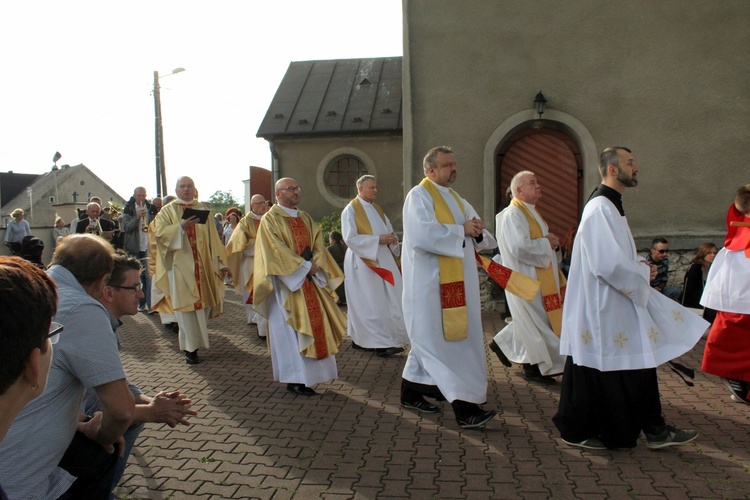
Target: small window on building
{"x": 341, "y": 175}
{"x": 52, "y": 200}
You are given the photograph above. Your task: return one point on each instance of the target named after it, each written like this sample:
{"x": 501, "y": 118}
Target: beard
{"x": 627, "y": 180}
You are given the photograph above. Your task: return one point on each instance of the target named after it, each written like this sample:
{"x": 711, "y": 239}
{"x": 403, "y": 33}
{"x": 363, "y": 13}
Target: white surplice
{"x": 728, "y": 283}
{"x": 613, "y": 319}
{"x": 374, "y": 316}
{"x": 459, "y": 367}
{"x": 289, "y": 366}
{"x": 529, "y": 338}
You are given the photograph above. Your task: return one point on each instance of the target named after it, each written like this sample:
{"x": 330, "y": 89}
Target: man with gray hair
{"x": 441, "y": 302}
{"x": 527, "y": 246}
{"x": 373, "y": 279}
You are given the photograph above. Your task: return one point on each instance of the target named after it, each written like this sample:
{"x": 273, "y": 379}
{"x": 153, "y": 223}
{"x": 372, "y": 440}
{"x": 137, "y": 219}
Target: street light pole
{"x": 161, "y": 173}
{"x": 159, "y": 135}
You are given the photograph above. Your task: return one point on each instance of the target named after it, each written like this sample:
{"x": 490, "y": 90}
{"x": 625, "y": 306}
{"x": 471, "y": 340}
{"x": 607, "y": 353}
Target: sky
{"x": 77, "y": 77}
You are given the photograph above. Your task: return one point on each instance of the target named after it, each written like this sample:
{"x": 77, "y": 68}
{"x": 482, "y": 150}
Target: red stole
{"x": 301, "y": 238}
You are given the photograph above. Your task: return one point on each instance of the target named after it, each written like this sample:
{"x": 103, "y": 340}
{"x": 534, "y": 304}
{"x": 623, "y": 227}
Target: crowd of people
{"x": 604, "y": 325}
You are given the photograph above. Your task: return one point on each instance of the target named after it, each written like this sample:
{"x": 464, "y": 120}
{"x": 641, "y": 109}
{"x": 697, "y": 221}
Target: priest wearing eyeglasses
{"x": 293, "y": 287}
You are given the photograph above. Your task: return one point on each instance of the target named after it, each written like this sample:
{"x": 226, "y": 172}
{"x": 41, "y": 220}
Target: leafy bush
{"x": 330, "y": 223}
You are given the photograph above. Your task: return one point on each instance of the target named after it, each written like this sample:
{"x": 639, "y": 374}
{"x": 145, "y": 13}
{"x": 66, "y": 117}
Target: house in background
{"x": 331, "y": 122}
{"x": 668, "y": 79}
{"x": 59, "y": 191}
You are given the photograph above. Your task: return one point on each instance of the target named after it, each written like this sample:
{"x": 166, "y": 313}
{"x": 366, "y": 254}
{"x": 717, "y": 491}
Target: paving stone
{"x": 254, "y": 439}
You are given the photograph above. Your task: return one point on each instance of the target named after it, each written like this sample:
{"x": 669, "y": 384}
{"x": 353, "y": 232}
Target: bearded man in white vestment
{"x": 616, "y": 328}
{"x": 293, "y": 287}
{"x": 441, "y": 296}
{"x": 527, "y": 246}
{"x": 373, "y": 279}
{"x": 241, "y": 256}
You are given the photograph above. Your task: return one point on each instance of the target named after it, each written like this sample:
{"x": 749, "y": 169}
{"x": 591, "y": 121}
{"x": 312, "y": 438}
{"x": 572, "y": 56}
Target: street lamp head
{"x": 178, "y": 70}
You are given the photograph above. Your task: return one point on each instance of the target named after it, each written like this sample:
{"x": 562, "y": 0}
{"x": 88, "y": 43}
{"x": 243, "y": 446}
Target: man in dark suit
{"x": 94, "y": 224}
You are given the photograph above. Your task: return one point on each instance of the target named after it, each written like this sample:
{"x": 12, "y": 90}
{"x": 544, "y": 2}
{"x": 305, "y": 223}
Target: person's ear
{"x": 32, "y": 369}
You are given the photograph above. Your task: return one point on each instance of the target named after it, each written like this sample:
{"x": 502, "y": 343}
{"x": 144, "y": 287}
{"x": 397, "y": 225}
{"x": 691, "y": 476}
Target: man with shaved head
{"x": 293, "y": 287}
{"x": 241, "y": 255}
{"x": 190, "y": 267}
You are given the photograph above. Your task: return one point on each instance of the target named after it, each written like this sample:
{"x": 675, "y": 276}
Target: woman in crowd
{"x": 695, "y": 279}
{"x": 28, "y": 301}
{"x": 60, "y": 230}
{"x": 338, "y": 251}
{"x": 231, "y": 223}
{"x": 16, "y": 230}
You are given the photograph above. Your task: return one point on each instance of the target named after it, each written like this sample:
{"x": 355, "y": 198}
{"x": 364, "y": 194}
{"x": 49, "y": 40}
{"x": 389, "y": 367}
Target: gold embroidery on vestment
{"x": 621, "y": 340}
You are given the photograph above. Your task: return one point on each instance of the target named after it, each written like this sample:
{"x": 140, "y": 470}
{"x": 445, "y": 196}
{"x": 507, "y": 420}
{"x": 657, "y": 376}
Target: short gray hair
{"x": 515, "y": 183}
{"x": 430, "y": 157}
{"x": 366, "y": 177}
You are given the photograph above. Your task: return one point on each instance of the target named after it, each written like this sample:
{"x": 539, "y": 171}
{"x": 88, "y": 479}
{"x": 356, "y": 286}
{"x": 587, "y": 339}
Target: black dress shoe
{"x": 500, "y": 354}
{"x": 532, "y": 374}
{"x": 191, "y": 358}
{"x": 360, "y": 348}
{"x": 300, "y": 389}
{"x": 389, "y": 351}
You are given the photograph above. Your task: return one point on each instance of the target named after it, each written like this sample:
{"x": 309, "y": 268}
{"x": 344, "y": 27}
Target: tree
{"x": 221, "y": 200}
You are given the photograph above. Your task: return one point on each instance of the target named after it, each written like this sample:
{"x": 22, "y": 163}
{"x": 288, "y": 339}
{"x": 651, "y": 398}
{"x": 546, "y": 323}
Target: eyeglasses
{"x": 136, "y": 288}
{"x": 663, "y": 251}
{"x": 292, "y": 189}
{"x": 54, "y": 332}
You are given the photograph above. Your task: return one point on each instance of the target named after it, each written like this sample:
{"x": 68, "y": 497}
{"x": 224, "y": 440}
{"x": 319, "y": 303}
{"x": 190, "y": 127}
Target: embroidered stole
{"x": 553, "y": 301}
{"x": 516, "y": 283}
{"x": 301, "y": 238}
{"x": 250, "y": 281}
{"x": 452, "y": 291}
{"x": 192, "y": 239}
{"x": 364, "y": 227}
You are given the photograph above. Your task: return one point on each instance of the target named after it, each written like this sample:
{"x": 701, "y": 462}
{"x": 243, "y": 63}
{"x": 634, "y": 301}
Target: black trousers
{"x": 93, "y": 467}
{"x": 613, "y": 406}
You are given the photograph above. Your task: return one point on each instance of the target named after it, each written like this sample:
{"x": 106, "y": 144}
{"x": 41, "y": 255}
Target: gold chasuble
{"x": 280, "y": 243}
{"x": 552, "y": 300}
{"x": 162, "y": 305}
{"x": 452, "y": 292}
{"x": 242, "y": 238}
{"x": 363, "y": 227}
{"x": 197, "y": 284}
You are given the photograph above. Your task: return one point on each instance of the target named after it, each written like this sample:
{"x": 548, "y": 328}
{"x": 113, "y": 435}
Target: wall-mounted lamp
{"x": 539, "y": 103}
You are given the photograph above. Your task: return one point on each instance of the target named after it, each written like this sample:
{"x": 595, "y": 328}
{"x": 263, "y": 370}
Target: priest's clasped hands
{"x": 473, "y": 227}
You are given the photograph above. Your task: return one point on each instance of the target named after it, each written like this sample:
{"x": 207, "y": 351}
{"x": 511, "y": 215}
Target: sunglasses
{"x": 54, "y": 332}
{"x": 662, "y": 251}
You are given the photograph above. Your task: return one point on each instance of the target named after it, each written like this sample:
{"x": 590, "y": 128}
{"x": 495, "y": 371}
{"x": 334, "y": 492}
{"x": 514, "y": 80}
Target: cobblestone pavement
{"x": 253, "y": 439}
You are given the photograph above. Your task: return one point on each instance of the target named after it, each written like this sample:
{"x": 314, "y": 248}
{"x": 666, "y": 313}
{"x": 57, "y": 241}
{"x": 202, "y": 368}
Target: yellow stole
{"x": 452, "y": 292}
{"x": 553, "y": 301}
{"x": 364, "y": 227}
